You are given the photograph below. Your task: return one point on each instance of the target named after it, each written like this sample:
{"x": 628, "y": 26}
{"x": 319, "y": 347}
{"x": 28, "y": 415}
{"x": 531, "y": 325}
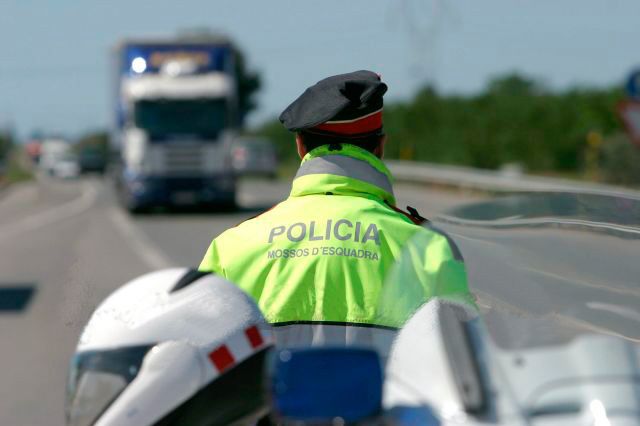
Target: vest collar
{"x": 348, "y": 171}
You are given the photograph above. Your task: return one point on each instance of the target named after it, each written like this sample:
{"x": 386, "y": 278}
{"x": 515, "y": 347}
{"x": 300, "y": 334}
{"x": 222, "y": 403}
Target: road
{"x": 72, "y": 245}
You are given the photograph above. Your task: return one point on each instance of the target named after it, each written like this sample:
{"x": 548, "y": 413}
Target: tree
{"x": 249, "y": 83}
{"x": 513, "y": 85}
{"x": 514, "y": 120}
{"x": 97, "y": 140}
{"x": 6, "y": 144}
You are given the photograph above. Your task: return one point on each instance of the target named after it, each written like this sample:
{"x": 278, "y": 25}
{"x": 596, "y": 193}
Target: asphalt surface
{"x": 71, "y": 244}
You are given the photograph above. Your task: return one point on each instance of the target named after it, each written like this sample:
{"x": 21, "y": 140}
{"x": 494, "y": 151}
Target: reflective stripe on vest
{"x": 341, "y": 165}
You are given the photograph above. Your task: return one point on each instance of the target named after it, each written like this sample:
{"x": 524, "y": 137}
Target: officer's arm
{"x": 449, "y": 279}
{"x": 211, "y": 261}
{"x": 429, "y": 267}
{"x": 436, "y": 266}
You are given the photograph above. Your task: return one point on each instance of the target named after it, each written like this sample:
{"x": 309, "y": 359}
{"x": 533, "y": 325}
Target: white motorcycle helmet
{"x": 173, "y": 347}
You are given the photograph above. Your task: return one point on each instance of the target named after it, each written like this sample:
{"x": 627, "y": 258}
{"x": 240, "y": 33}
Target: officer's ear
{"x": 379, "y": 150}
{"x": 302, "y": 150}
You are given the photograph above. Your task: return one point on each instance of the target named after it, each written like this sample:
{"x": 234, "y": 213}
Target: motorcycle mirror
{"x": 326, "y": 385}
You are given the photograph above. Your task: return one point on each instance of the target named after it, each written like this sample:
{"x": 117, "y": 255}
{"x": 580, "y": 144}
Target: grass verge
{"x": 16, "y": 169}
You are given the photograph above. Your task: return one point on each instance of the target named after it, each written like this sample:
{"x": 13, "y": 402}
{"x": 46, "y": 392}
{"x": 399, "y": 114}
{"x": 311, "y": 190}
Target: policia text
{"x": 341, "y": 229}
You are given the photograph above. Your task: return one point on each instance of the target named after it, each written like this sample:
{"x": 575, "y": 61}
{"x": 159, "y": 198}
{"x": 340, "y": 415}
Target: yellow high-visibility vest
{"x": 336, "y": 251}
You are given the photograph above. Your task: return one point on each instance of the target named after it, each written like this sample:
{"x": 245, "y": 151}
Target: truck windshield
{"x": 203, "y": 118}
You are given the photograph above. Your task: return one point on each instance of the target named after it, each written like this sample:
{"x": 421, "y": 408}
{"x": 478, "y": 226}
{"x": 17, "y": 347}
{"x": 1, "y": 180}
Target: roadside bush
{"x": 620, "y": 161}
{"x": 514, "y": 120}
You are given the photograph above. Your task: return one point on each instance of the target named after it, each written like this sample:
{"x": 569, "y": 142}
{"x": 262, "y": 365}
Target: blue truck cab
{"x": 175, "y": 116}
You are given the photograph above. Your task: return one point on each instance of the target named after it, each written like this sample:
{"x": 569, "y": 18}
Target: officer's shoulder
{"x": 410, "y": 214}
{"x": 434, "y": 229}
{"x": 254, "y": 219}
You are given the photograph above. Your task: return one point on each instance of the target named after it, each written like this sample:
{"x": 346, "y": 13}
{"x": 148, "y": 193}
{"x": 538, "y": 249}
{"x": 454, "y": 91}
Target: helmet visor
{"x": 96, "y": 378}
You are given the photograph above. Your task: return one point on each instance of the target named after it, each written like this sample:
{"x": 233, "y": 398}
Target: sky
{"x": 55, "y": 64}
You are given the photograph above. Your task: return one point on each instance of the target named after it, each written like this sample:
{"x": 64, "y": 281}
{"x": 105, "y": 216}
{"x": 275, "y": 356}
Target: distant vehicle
{"x": 52, "y": 151}
{"x": 33, "y": 149}
{"x": 92, "y": 159}
{"x": 66, "y": 167}
{"x": 175, "y": 112}
{"x": 254, "y": 156}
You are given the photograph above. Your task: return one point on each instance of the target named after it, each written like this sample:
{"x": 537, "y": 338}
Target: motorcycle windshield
{"x": 551, "y": 328}
{"x": 96, "y": 378}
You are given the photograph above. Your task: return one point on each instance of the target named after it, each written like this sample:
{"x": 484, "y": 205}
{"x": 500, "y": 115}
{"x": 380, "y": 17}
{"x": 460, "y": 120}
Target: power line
{"x": 424, "y": 22}
{"x": 67, "y": 71}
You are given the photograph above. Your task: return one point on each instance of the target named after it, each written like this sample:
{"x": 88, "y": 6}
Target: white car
{"x": 66, "y": 167}
{"x": 254, "y": 156}
{"x": 57, "y": 159}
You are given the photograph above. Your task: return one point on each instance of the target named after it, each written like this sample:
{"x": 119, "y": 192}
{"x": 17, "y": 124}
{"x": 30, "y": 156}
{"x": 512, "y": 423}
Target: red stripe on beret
{"x": 366, "y": 124}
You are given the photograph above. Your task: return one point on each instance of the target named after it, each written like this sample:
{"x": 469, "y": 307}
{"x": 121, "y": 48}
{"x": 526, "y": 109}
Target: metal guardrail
{"x": 495, "y": 181}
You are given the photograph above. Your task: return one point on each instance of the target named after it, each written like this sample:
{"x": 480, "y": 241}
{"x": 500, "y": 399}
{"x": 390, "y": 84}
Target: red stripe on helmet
{"x": 366, "y": 124}
{"x": 222, "y": 358}
{"x": 254, "y": 337}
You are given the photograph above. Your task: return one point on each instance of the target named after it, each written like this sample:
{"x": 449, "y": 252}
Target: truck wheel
{"x": 131, "y": 206}
{"x": 138, "y": 210}
{"x": 220, "y": 206}
{"x": 230, "y": 205}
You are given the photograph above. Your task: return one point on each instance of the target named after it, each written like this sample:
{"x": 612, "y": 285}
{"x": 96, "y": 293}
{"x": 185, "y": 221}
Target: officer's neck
{"x": 302, "y": 149}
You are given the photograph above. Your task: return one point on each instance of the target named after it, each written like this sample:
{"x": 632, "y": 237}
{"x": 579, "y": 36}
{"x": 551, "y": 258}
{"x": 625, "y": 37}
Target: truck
{"x": 175, "y": 118}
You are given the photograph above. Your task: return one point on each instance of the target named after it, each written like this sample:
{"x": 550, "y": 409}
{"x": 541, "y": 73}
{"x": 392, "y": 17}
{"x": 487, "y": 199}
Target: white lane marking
{"x": 592, "y": 327}
{"x": 143, "y": 246}
{"x": 502, "y": 306}
{"x": 55, "y": 214}
{"x": 620, "y": 310}
{"x": 581, "y": 282}
{"x": 508, "y": 223}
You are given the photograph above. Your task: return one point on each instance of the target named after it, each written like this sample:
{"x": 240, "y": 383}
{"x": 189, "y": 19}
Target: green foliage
{"x": 249, "y": 83}
{"x": 6, "y": 144}
{"x": 98, "y": 140}
{"x": 17, "y": 170}
{"x": 620, "y": 161}
{"x": 514, "y": 120}
{"x": 283, "y": 139}
{"x": 14, "y": 164}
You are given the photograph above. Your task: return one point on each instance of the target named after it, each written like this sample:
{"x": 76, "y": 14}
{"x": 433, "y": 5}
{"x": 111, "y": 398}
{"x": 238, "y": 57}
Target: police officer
{"x": 320, "y": 263}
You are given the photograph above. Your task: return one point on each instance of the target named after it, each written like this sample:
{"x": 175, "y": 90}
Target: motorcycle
{"x": 183, "y": 347}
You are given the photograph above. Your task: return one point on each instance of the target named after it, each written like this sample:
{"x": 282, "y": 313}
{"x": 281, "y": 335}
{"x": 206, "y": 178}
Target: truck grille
{"x": 181, "y": 159}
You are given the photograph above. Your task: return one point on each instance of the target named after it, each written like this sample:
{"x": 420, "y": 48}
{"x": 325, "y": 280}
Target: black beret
{"x": 343, "y": 98}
